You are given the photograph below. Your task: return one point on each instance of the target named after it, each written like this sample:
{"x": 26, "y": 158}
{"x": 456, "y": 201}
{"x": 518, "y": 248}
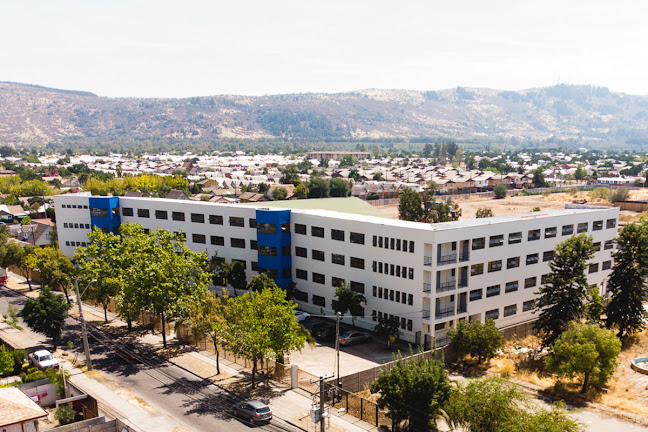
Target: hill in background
{"x": 584, "y": 114}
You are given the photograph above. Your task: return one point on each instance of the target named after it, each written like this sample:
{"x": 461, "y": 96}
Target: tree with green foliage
{"x": 318, "y": 187}
{"x": 479, "y": 340}
{"x": 349, "y": 301}
{"x": 410, "y": 206}
{"x": 414, "y": 390}
{"x": 484, "y": 212}
{"x": 279, "y": 194}
{"x": 263, "y": 187}
{"x": 290, "y": 175}
{"x": 13, "y": 254}
{"x": 348, "y": 160}
{"x": 500, "y": 191}
{"x": 339, "y": 188}
{"x": 354, "y": 174}
{"x": 206, "y": 319}
{"x": 594, "y": 307}
{"x": 562, "y": 297}
{"x": 627, "y": 281}
{"x": 65, "y": 414}
{"x": 587, "y": 351}
{"x": 301, "y": 191}
{"x": 263, "y": 325}
{"x": 236, "y": 276}
{"x": 620, "y": 194}
{"x": 388, "y": 329}
{"x": 580, "y": 173}
{"x": 260, "y": 282}
{"x": 56, "y": 269}
{"x": 539, "y": 178}
{"x": 46, "y": 314}
{"x": 6, "y": 361}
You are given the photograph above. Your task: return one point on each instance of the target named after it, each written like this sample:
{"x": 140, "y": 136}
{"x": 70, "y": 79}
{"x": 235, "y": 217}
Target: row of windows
{"x": 510, "y": 310}
{"x": 72, "y": 243}
{"x": 336, "y": 234}
{"x": 76, "y": 225}
{"x": 393, "y": 270}
{"x": 319, "y": 278}
{"x": 392, "y": 295}
{"x": 194, "y": 217}
{"x": 102, "y": 212}
{"x": 393, "y": 244}
{"x": 536, "y": 234}
{"x": 405, "y": 324}
{"x": 74, "y": 206}
{"x": 497, "y": 265}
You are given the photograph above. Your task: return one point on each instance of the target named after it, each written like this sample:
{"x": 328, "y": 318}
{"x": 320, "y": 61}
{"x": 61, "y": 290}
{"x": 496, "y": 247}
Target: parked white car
{"x": 43, "y": 359}
{"x": 301, "y": 316}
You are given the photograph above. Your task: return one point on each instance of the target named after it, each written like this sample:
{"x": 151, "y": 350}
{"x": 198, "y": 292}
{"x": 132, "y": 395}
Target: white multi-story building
{"x": 428, "y": 275}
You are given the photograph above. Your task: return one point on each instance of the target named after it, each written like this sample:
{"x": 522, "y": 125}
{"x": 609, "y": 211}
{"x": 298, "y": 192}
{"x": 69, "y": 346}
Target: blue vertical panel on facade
{"x": 279, "y": 240}
{"x": 109, "y": 218}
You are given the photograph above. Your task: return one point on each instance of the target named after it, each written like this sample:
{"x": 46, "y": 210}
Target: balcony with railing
{"x": 441, "y": 341}
{"x": 427, "y": 260}
{"x": 464, "y": 257}
{"x": 447, "y": 259}
{"x": 463, "y": 283}
{"x": 427, "y": 287}
{"x": 446, "y": 286}
{"x": 426, "y": 314}
{"x": 445, "y": 312}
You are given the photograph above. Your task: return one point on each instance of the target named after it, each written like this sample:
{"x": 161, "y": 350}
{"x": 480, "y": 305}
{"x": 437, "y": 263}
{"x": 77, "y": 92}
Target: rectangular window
{"x": 513, "y": 262}
{"x": 607, "y": 265}
{"x": 494, "y": 266}
{"x": 357, "y": 287}
{"x": 495, "y": 241}
{"x": 269, "y": 251}
{"x": 237, "y": 221}
{"x": 337, "y": 259}
{"x": 609, "y": 244}
{"x": 493, "y": 291}
{"x": 510, "y": 310}
{"x": 528, "y": 305}
{"x": 476, "y": 269}
{"x": 582, "y": 227}
{"x": 300, "y": 229}
{"x": 317, "y": 231}
{"x": 411, "y": 247}
{"x": 478, "y": 243}
{"x": 237, "y": 243}
{"x": 409, "y": 325}
{"x": 392, "y": 243}
{"x": 216, "y": 220}
{"x": 266, "y": 228}
{"x": 597, "y": 225}
{"x": 375, "y": 240}
{"x": 380, "y": 241}
{"x": 547, "y": 256}
{"x": 534, "y": 235}
{"x": 319, "y": 300}
{"x": 398, "y": 244}
{"x": 511, "y": 286}
{"x": 301, "y": 252}
{"x": 492, "y": 314}
{"x": 567, "y": 230}
{"x": 197, "y": 218}
{"x": 358, "y": 263}
{"x": 515, "y": 237}
{"x": 530, "y": 282}
{"x": 319, "y": 278}
{"x": 254, "y": 245}
{"x": 127, "y": 211}
{"x": 596, "y": 246}
{"x": 357, "y": 238}
{"x": 65, "y": 224}
{"x": 532, "y": 259}
{"x": 178, "y": 216}
{"x": 410, "y": 299}
{"x": 593, "y": 268}
{"x": 411, "y": 273}
{"x": 610, "y": 223}
{"x": 199, "y": 238}
{"x": 317, "y": 255}
{"x": 301, "y": 274}
{"x": 336, "y": 282}
{"x": 217, "y": 240}
{"x": 551, "y": 232}
{"x": 300, "y": 296}
{"x": 253, "y": 223}
{"x": 99, "y": 212}
{"x": 476, "y": 294}
{"x": 337, "y": 235}
{"x": 87, "y": 226}
{"x": 161, "y": 214}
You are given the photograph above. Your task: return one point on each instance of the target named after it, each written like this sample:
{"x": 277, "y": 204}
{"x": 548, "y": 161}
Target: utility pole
{"x": 337, "y": 345}
{"x": 86, "y": 348}
{"x": 321, "y": 405}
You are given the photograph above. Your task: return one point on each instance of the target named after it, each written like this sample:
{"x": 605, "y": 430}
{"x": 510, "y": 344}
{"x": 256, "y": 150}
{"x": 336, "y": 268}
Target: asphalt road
{"x": 194, "y": 403}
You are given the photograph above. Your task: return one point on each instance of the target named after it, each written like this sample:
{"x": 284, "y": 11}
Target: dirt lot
{"x": 524, "y": 204}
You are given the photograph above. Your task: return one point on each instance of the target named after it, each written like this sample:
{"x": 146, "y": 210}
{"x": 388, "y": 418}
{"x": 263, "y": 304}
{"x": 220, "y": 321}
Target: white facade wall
{"x": 72, "y": 221}
{"x": 419, "y": 311}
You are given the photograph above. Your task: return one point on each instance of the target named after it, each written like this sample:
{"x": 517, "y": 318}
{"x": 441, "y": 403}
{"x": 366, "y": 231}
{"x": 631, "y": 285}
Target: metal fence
{"x": 359, "y": 407}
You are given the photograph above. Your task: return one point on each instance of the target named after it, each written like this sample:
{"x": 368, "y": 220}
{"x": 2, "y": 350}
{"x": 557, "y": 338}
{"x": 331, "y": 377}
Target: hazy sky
{"x": 188, "y": 48}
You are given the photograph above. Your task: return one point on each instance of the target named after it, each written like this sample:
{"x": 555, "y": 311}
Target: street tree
{"x": 206, "y": 319}
{"x": 414, "y": 390}
{"x": 290, "y": 175}
{"x": 279, "y": 194}
{"x": 562, "y": 297}
{"x": 318, "y": 187}
{"x": 580, "y": 173}
{"x": 46, "y": 314}
{"x": 587, "y": 351}
{"x": 236, "y": 276}
{"x": 484, "y": 212}
{"x": 349, "y": 301}
{"x": 13, "y": 254}
{"x": 56, "y": 269}
{"x": 259, "y": 282}
{"x": 479, "y": 340}
{"x": 627, "y": 282}
{"x": 388, "y": 329}
{"x": 539, "y": 178}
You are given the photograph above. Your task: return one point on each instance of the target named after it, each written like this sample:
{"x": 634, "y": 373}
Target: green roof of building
{"x": 344, "y": 205}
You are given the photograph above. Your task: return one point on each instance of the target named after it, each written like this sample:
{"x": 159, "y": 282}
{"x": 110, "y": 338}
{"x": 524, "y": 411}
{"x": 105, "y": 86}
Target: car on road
{"x": 254, "y": 411}
{"x": 313, "y": 326}
{"x": 301, "y": 316}
{"x": 328, "y": 332}
{"x": 43, "y": 359}
{"x": 354, "y": 337}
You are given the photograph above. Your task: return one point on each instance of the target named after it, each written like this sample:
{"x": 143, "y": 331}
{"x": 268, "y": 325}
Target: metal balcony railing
{"x": 426, "y": 314}
{"x": 444, "y": 313}
{"x": 427, "y": 260}
{"x": 463, "y": 283}
{"x": 446, "y": 286}
{"x": 427, "y": 287}
{"x": 464, "y": 257}
{"x": 447, "y": 259}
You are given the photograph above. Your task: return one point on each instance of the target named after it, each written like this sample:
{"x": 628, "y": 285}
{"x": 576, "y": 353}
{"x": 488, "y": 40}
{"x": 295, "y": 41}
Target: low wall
{"x": 42, "y": 391}
{"x": 98, "y": 424}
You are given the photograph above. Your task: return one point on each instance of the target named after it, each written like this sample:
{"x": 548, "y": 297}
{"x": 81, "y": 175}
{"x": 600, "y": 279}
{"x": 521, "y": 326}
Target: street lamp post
{"x": 84, "y": 332}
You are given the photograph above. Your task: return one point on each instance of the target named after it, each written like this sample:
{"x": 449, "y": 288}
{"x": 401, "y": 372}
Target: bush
{"x": 477, "y": 339}
{"x": 601, "y": 193}
{"x": 484, "y": 212}
{"x": 500, "y": 191}
{"x": 65, "y": 414}
{"x": 620, "y": 194}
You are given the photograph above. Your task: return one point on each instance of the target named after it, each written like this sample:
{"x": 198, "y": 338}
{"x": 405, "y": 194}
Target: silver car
{"x": 254, "y": 411}
{"x": 354, "y": 337}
